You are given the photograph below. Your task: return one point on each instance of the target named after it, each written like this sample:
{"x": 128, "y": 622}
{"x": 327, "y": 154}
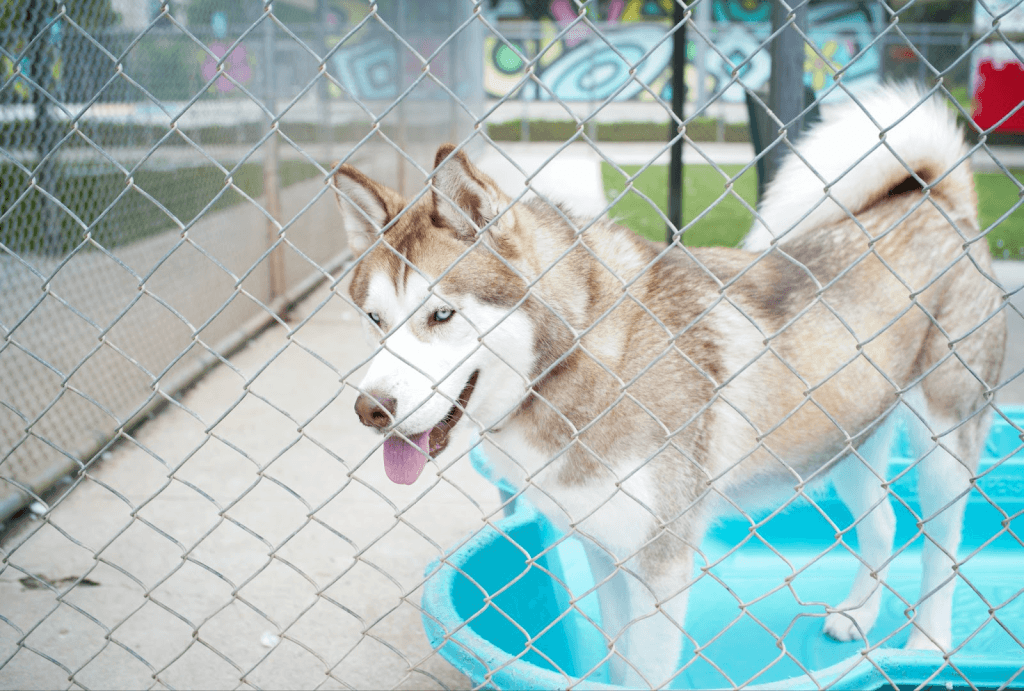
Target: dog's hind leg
{"x": 944, "y": 480}
{"x": 949, "y": 431}
{"x": 614, "y": 594}
{"x": 858, "y": 482}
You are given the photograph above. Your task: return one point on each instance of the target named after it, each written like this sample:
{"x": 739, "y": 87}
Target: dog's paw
{"x": 850, "y": 622}
{"x": 919, "y": 641}
{"x": 842, "y": 626}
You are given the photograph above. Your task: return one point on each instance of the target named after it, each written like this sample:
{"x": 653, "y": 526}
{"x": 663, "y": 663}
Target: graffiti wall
{"x": 373, "y": 64}
{"x": 571, "y": 62}
{"x": 574, "y": 64}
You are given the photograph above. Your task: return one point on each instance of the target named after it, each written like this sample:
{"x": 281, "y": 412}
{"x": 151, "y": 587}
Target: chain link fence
{"x": 189, "y": 499}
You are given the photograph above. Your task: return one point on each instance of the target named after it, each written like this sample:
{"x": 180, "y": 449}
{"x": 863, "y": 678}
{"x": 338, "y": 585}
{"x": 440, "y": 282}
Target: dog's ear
{"x": 464, "y": 197}
{"x": 366, "y": 207}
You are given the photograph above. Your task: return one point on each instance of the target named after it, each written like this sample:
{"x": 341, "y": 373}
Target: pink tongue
{"x": 404, "y": 462}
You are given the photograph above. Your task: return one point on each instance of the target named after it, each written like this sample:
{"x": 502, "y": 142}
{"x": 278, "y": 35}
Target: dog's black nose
{"x": 375, "y": 410}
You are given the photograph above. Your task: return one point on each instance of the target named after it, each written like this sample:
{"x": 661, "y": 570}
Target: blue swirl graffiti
{"x": 599, "y": 69}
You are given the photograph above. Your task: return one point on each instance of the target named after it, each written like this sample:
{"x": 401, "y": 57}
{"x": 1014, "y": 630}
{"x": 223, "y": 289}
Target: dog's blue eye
{"x": 443, "y": 314}
{"x": 374, "y": 317}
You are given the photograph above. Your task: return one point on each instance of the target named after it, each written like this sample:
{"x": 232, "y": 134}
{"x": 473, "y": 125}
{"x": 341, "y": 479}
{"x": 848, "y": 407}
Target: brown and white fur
{"x": 637, "y": 392}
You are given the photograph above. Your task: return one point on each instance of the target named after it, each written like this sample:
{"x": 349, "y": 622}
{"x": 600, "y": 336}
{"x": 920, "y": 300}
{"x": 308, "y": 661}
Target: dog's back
{"x": 864, "y": 279}
{"x": 870, "y": 281}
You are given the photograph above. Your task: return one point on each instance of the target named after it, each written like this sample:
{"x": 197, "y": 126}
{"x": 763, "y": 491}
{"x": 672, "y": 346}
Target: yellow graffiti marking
{"x": 820, "y": 67}
{"x": 552, "y": 50}
{"x": 21, "y": 86}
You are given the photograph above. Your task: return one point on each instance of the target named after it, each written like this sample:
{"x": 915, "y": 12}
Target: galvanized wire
{"x": 123, "y": 286}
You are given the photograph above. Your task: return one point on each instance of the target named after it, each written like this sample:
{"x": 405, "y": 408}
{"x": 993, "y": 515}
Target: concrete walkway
{"x": 247, "y": 535}
{"x": 247, "y": 532}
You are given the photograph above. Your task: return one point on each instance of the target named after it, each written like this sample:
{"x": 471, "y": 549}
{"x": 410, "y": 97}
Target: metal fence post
{"x": 324, "y": 127}
{"x": 675, "y": 173}
{"x": 401, "y": 135}
{"x": 786, "y": 83}
{"x": 44, "y": 127}
{"x": 271, "y": 177}
{"x": 526, "y": 94}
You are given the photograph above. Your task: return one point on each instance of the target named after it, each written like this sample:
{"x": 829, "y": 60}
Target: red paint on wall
{"x": 1000, "y": 89}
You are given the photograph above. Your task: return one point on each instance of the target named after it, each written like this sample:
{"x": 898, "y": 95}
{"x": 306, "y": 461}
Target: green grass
{"x": 728, "y": 221}
{"x": 700, "y": 129}
{"x": 962, "y": 97}
{"x": 724, "y": 224}
{"x": 118, "y": 217}
{"x": 997, "y": 194}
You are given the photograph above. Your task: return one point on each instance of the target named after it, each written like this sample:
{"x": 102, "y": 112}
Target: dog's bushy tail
{"x": 862, "y": 152}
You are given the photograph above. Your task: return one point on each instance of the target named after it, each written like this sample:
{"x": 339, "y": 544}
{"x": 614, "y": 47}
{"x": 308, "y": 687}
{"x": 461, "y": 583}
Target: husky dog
{"x": 636, "y": 392}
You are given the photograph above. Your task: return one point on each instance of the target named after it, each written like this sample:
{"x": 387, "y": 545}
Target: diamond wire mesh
{"x": 157, "y": 215}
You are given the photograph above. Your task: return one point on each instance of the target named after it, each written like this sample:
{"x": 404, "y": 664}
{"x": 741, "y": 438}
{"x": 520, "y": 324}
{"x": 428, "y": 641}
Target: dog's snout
{"x": 375, "y": 410}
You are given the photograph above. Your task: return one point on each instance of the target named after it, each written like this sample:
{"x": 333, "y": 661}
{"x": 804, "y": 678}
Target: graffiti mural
{"x": 742, "y": 11}
{"x": 841, "y": 31}
{"x": 18, "y": 85}
{"x": 364, "y": 66}
{"x": 575, "y": 65}
{"x": 371, "y": 64}
{"x": 597, "y": 70}
{"x": 368, "y": 70}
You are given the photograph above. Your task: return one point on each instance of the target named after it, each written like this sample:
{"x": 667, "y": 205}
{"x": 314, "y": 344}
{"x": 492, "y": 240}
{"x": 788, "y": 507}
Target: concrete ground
{"x": 247, "y": 535}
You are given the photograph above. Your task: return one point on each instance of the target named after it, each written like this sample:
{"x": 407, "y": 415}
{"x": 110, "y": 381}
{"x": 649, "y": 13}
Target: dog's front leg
{"x": 652, "y": 642}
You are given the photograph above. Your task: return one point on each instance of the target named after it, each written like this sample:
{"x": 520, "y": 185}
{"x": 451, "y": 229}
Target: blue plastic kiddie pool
{"x": 492, "y": 596}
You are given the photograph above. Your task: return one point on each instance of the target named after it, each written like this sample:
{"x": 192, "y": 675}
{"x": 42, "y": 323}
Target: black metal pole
{"x": 675, "y": 167}
{"x": 786, "y": 83}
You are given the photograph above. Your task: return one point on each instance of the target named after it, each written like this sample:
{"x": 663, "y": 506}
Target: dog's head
{"x": 440, "y": 304}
